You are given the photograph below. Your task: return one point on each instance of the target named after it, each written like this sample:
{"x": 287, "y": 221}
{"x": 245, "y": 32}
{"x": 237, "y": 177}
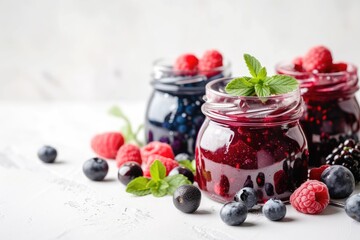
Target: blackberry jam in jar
{"x": 249, "y": 141}
{"x": 174, "y": 109}
{"x": 331, "y": 110}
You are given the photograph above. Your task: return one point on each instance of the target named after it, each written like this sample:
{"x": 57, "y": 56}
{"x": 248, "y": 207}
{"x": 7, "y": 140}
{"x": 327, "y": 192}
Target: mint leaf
{"x": 138, "y": 186}
{"x": 253, "y": 65}
{"x": 176, "y": 181}
{"x": 262, "y": 73}
{"x": 188, "y": 164}
{"x": 240, "y": 87}
{"x": 158, "y": 188}
{"x": 262, "y": 90}
{"x": 281, "y": 84}
{"x": 157, "y": 170}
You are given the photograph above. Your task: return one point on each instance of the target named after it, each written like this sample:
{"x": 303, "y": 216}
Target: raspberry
{"x": 107, "y": 144}
{"x": 298, "y": 64}
{"x": 128, "y": 153}
{"x": 339, "y": 67}
{"x": 315, "y": 173}
{"x": 187, "y": 62}
{"x": 318, "y": 58}
{"x": 168, "y": 163}
{"x": 312, "y": 197}
{"x": 159, "y": 148}
{"x": 210, "y": 60}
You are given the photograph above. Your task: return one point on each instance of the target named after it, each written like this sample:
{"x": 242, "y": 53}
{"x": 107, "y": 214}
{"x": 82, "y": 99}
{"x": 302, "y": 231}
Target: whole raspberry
{"x": 107, "y": 144}
{"x": 159, "y": 148}
{"x": 169, "y": 164}
{"x": 210, "y": 60}
{"x": 298, "y": 64}
{"x": 187, "y": 63}
{"x": 128, "y": 153}
{"x": 339, "y": 67}
{"x": 315, "y": 173}
{"x": 318, "y": 58}
{"x": 312, "y": 197}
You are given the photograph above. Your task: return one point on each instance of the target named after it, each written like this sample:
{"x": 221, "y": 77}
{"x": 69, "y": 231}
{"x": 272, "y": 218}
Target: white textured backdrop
{"x": 99, "y": 50}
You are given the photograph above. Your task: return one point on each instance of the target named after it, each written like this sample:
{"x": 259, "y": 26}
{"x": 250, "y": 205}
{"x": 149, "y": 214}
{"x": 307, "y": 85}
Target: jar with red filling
{"x": 331, "y": 110}
{"x": 249, "y": 141}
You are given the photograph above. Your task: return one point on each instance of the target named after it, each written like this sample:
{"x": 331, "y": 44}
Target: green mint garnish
{"x": 259, "y": 84}
{"x": 159, "y": 185}
{"x": 127, "y": 131}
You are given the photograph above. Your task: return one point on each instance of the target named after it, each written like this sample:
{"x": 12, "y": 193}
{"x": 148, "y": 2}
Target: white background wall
{"x": 100, "y": 50}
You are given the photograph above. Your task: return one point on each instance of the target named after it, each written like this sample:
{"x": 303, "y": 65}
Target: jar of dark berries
{"x": 332, "y": 112}
{"x": 247, "y": 141}
{"x": 174, "y": 109}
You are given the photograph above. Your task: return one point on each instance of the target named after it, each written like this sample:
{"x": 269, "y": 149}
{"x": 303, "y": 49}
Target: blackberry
{"x": 347, "y": 154}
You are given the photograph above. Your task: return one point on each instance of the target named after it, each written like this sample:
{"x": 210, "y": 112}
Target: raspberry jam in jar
{"x": 174, "y": 109}
{"x": 331, "y": 110}
{"x": 249, "y": 141}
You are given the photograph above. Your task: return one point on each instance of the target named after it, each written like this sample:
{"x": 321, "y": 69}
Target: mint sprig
{"x": 127, "y": 130}
{"x": 159, "y": 185}
{"x": 259, "y": 84}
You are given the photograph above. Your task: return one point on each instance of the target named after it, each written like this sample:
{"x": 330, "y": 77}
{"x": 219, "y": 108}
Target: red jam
{"x": 250, "y": 142}
{"x": 331, "y": 113}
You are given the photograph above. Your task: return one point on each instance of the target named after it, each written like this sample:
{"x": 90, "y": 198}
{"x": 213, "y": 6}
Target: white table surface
{"x": 56, "y": 201}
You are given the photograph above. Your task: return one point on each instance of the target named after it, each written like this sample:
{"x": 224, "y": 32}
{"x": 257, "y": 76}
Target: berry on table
{"x": 352, "y": 207}
{"x": 184, "y": 171}
{"x": 210, "y": 60}
{"x": 47, "y": 154}
{"x": 158, "y": 148}
{"x": 128, "y": 153}
{"x": 187, "y": 198}
{"x": 319, "y": 59}
{"x": 312, "y": 197}
{"x": 107, "y": 144}
{"x": 339, "y": 180}
{"x": 129, "y": 171}
{"x": 169, "y": 164}
{"x": 233, "y": 213}
{"x": 247, "y": 196}
{"x": 274, "y": 209}
{"x": 95, "y": 169}
{"x": 187, "y": 63}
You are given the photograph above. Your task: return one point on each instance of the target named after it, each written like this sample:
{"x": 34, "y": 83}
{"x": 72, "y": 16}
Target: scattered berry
{"x": 182, "y": 157}
{"x": 318, "y": 59}
{"x": 274, "y": 209}
{"x": 315, "y": 173}
{"x": 107, "y": 144}
{"x": 169, "y": 164}
{"x": 211, "y": 59}
{"x": 352, "y": 207}
{"x": 128, "y": 153}
{"x": 95, "y": 169}
{"x": 187, "y": 63}
{"x": 128, "y": 171}
{"x": 47, "y": 154}
{"x": 158, "y": 148}
{"x": 312, "y": 197}
{"x": 247, "y": 196}
{"x": 339, "y": 67}
{"x": 339, "y": 181}
{"x": 187, "y": 198}
{"x": 184, "y": 171}
{"x": 233, "y": 213}
{"x": 298, "y": 62}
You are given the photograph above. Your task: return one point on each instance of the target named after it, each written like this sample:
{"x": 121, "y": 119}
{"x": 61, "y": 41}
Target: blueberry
{"x": 190, "y": 109}
{"x": 352, "y": 207}
{"x": 274, "y": 209}
{"x": 180, "y": 119}
{"x": 128, "y": 171}
{"x": 95, "y": 169}
{"x": 47, "y": 154}
{"x": 247, "y": 196}
{"x": 184, "y": 171}
{"x": 269, "y": 189}
{"x": 182, "y": 128}
{"x": 339, "y": 180}
{"x": 233, "y": 213}
{"x": 183, "y": 156}
{"x": 187, "y": 198}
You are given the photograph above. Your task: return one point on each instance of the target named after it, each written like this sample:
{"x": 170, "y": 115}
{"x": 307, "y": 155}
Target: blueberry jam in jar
{"x": 174, "y": 112}
{"x": 250, "y": 142}
{"x": 331, "y": 110}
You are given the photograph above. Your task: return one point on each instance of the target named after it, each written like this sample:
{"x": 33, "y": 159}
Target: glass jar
{"x": 331, "y": 110}
{"x": 174, "y": 109}
{"x": 250, "y": 142}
